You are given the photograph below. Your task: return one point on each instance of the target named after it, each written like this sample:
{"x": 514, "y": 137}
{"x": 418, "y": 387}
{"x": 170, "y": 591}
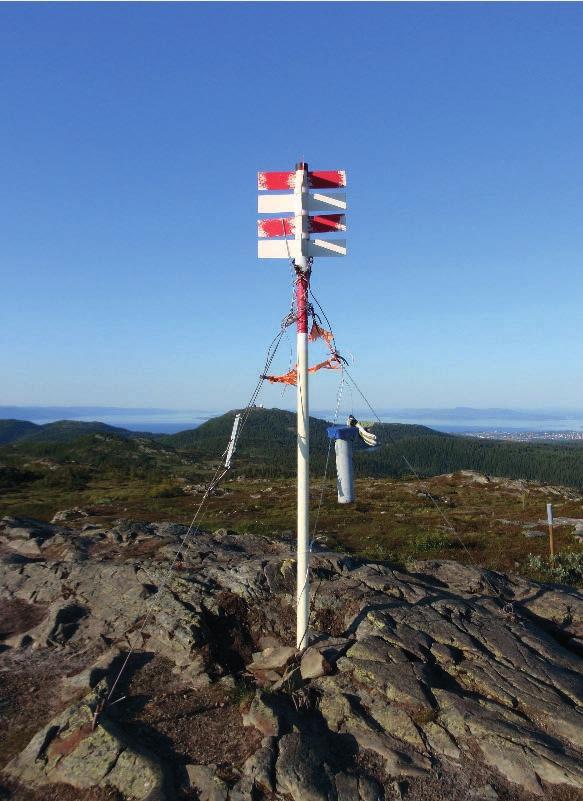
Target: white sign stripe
{"x": 290, "y": 248}
{"x": 317, "y": 201}
{"x": 277, "y": 249}
{"x": 327, "y": 247}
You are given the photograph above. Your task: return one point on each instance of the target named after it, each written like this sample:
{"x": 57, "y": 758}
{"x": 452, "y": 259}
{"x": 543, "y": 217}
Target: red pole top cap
{"x": 301, "y": 165}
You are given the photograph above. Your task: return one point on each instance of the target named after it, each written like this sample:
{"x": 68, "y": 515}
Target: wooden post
{"x": 551, "y": 537}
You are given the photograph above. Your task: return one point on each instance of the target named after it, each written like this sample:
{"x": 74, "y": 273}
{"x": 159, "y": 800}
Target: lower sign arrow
{"x": 291, "y": 248}
{"x": 286, "y": 226}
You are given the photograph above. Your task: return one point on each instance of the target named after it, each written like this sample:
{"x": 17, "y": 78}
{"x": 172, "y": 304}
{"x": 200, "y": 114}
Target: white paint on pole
{"x": 301, "y": 233}
{"x": 303, "y": 508}
{"x": 303, "y": 433}
{"x": 551, "y": 530}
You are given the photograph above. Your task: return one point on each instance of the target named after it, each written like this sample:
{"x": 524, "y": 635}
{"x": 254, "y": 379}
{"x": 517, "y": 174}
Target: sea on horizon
{"x": 167, "y": 421}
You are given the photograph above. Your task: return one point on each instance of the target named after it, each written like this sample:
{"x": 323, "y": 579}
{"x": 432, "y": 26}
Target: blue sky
{"x": 130, "y": 136}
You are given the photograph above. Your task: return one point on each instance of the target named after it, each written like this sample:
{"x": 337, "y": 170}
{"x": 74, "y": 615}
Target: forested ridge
{"x": 267, "y": 447}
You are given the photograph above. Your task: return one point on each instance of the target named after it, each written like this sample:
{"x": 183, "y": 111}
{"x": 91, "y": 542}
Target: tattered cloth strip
{"x": 317, "y": 332}
{"x": 330, "y": 364}
{"x": 333, "y": 363}
{"x": 292, "y": 377}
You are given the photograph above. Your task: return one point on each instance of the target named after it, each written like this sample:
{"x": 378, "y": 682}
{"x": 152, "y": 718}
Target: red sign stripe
{"x": 322, "y": 179}
{"x": 326, "y": 223}
{"x": 286, "y": 226}
{"x": 276, "y": 226}
{"x": 327, "y": 179}
{"x": 276, "y": 180}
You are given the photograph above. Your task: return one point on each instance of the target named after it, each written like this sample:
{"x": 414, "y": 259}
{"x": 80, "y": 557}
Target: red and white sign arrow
{"x": 322, "y": 179}
{"x": 272, "y": 203}
{"x": 317, "y": 205}
{"x": 291, "y": 248}
{"x": 286, "y": 226}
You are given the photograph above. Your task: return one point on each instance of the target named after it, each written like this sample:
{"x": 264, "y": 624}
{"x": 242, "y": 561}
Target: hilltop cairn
{"x": 444, "y": 681}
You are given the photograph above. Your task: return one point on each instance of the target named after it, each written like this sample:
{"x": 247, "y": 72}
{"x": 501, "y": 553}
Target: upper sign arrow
{"x": 320, "y": 179}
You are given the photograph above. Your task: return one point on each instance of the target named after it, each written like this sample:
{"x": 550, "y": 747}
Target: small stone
{"x": 444, "y": 654}
{"x": 260, "y": 767}
{"x": 346, "y": 787}
{"x": 485, "y": 793}
{"x": 269, "y": 641}
{"x": 400, "y": 789}
{"x": 271, "y": 658}
{"x": 290, "y": 681}
{"x": 243, "y": 790}
{"x": 396, "y": 721}
{"x": 89, "y": 677}
{"x": 314, "y": 664}
{"x": 209, "y": 786}
{"x": 266, "y": 678}
{"x": 300, "y": 770}
{"x": 440, "y": 741}
{"x": 262, "y": 716}
{"x": 76, "y": 513}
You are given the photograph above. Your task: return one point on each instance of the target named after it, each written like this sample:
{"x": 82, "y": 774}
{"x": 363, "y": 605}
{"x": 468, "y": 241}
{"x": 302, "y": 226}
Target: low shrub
{"x": 433, "y": 541}
{"x": 563, "y": 568}
{"x": 165, "y": 490}
{"x": 66, "y": 477}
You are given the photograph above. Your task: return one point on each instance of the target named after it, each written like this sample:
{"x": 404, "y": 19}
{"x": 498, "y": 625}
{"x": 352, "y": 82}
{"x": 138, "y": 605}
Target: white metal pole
{"x": 303, "y": 435}
{"x": 551, "y": 531}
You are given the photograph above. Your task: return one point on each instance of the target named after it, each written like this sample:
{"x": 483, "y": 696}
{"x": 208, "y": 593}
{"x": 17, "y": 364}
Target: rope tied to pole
{"x": 220, "y": 473}
{"x": 448, "y": 523}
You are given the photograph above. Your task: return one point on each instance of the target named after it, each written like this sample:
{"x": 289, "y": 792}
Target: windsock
{"x": 343, "y": 437}
{"x": 367, "y": 436}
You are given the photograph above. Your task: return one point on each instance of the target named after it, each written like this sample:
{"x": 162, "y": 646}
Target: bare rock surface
{"x": 445, "y": 676}
{"x": 70, "y": 750}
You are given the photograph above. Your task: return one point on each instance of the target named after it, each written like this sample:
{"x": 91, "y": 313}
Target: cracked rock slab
{"x": 70, "y": 750}
{"x": 427, "y": 670}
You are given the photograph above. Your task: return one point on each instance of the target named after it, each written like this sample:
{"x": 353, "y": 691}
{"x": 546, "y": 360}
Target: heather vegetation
{"x": 267, "y": 450}
{"x": 397, "y": 516}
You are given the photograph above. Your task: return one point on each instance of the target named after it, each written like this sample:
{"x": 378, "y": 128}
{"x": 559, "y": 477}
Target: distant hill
{"x": 270, "y": 436}
{"x": 13, "y": 430}
{"x": 267, "y": 447}
{"x": 72, "y": 463}
{"x": 17, "y": 431}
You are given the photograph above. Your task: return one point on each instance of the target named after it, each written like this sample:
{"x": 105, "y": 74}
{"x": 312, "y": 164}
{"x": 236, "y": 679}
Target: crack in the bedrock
{"x": 429, "y": 669}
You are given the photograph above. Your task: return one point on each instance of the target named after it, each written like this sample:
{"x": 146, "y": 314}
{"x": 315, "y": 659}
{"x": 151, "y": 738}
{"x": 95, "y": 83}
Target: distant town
{"x": 528, "y": 436}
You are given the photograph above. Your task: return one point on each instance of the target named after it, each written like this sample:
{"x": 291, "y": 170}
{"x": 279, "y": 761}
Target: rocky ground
{"x": 440, "y": 682}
